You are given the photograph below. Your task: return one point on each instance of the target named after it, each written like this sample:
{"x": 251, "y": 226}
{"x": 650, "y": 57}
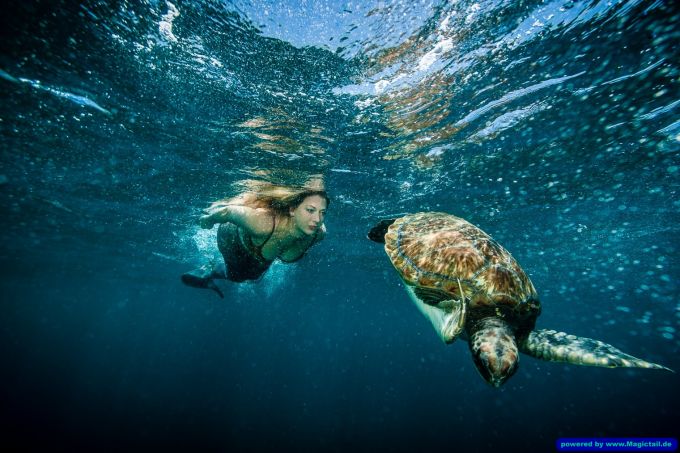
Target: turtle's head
{"x": 493, "y": 347}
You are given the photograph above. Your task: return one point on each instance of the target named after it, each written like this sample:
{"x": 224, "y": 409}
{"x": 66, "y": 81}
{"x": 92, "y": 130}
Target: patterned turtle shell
{"x": 439, "y": 253}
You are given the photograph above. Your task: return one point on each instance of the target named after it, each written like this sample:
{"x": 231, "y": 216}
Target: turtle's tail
{"x": 561, "y": 347}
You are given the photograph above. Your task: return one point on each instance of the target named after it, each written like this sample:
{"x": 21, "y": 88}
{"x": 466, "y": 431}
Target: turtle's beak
{"x": 497, "y": 381}
{"x": 496, "y": 367}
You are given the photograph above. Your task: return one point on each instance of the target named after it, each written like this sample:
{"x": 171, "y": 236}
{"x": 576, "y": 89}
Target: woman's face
{"x": 308, "y": 216}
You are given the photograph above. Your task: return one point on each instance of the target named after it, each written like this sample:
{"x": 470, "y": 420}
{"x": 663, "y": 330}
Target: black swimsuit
{"x": 243, "y": 258}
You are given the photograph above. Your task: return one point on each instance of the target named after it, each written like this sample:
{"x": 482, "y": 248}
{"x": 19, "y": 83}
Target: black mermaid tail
{"x": 204, "y": 277}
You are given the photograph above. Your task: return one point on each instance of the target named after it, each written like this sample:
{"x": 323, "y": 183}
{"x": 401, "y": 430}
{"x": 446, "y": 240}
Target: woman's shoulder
{"x": 262, "y": 221}
{"x": 256, "y": 221}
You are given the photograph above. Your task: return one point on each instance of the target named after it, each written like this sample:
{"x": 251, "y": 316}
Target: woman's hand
{"x": 216, "y": 213}
{"x": 206, "y": 222}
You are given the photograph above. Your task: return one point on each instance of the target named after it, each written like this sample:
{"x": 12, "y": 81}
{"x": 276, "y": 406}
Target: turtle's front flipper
{"x": 561, "y": 347}
{"x": 446, "y": 314}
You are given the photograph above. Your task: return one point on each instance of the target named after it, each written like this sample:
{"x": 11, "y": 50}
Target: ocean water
{"x": 553, "y": 125}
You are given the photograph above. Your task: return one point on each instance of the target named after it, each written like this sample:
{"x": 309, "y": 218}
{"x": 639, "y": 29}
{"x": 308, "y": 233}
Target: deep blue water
{"x": 553, "y": 125}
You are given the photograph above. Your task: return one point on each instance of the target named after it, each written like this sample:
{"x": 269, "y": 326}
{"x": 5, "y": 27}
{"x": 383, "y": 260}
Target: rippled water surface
{"x": 553, "y": 125}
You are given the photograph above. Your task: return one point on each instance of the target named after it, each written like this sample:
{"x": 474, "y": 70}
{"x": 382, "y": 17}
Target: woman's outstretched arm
{"x": 254, "y": 221}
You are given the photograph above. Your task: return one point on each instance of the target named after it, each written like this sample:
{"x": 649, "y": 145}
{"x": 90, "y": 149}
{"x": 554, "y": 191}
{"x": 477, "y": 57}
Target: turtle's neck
{"x": 489, "y": 323}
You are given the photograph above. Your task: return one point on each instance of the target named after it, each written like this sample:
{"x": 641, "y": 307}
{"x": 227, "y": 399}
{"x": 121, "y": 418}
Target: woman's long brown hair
{"x": 276, "y": 198}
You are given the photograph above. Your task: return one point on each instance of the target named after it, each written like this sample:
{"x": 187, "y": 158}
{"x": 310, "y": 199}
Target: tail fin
{"x": 377, "y": 233}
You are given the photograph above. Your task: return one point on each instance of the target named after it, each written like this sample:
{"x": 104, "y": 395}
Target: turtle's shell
{"x": 434, "y": 251}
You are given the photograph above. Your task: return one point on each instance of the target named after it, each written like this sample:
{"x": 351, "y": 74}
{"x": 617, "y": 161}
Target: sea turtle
{"x": 468, "y": 285}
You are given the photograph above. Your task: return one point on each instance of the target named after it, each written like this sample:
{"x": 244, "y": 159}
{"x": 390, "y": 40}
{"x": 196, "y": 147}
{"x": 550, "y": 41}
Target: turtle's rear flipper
{"x": 377, "y": 233}
{"x": 561, "y": 347}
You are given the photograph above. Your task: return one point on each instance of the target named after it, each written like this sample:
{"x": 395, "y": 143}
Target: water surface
{"x": 553, "y": 125}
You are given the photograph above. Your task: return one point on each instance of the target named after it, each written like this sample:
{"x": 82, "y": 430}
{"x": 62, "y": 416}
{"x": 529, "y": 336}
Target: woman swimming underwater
{"x": 258, "y": 226}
